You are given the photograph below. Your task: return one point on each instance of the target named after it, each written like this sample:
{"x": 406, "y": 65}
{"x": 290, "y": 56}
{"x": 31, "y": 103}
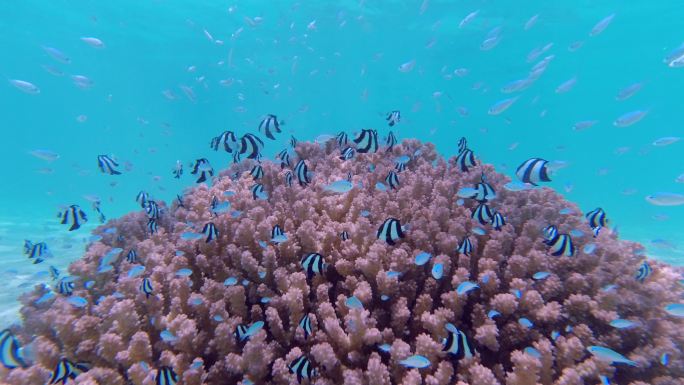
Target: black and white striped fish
{"x": 643, "y": 272}
{"x": 202, "y": 167}
{"x": 342, "y": 138}
{"x": 36, "y": 251}
{"x": 302, "y": 173}
{"x": 54, "y": 272}
{"x": 533, "y": 171}
{"x": 367, "y": 141}
{"x": 456, "y": 344}
{"x": 258, "y": 192}
{"x": 152, "y": 209}
{"x": 251, "y": 146}
{"x": 597, "y": 218}
{"x": 65, "y": 286}
{"x": 146, "y": 287}
{"x": 344, "y": 235}
{"x": 293, "y": 141}
{"x": 284, "y": 157}
{"x": 152, "y": 225}
{"x": 391, "y": 141}
{"x": 347, "y": 153}
{"x": 142, "y": 198}
{"x": 227, "y": 141}
{"x": 107, "y": 165}
{"x": 66, "y": 370}
{"x": 288, "y": 179}
{"x": 210, "y": 231}
{"x": 393, "y": 117}
{"x": 269, "y": 124}
{"x": 498, "y": 221}
{"x": 392, "y": 180}
{"x": 561, "y": 245}
{"x": 465, "y": 160}
{"x": 550, "y": 232}
{"x": 305, "y": 324}
{"x": 465, "y": 247}
{"x": 482, "y": 214}
{"x": 166, "y": 376}
{"x": 276, "y": 231}
{"x": 484, "y": 191}
{"x": 10, "y": 355}
{"x": 132, "y": 256}
{"x": 179, "y": 199}
{"x": 390, "y": 231}
{"x": 400, "y": 166}
{"x": 257, "y": 172}
{"x": 462, "y": 145}
{"x": 313, "y": 263}
{"x": 73, "y": 215}
{"x": 178, "y": 170}
{"x": 302, "y": 367}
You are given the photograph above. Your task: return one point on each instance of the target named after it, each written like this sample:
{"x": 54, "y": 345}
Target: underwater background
{"x": 170, "y": 75}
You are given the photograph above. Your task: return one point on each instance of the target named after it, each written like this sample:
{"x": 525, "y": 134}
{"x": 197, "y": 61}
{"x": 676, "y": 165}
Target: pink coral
{"x": 241, "y": 278}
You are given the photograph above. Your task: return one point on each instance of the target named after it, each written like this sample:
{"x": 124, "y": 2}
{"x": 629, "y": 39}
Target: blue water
{"x": 323, "y": 67}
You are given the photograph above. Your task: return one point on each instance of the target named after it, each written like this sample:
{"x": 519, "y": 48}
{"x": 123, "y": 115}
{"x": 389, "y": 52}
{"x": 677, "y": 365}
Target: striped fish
{"x": 305, "y": 324}
{"x": 142, "y": 198}
{"x": 107, "y": 165}
{"x": 483, "y": 214}
{"x": 226, "y": 140}
{"x": 166, "y": 376}
{"x": 178, "y": 170}
{"x": 393, "y": 118}
{"x": 65, "y": 287}
{"x": 258, "y": 192}
{"x": 390, "y": 231}
{"x": 465, "y": 160}
{"x": 132, "y": 256}
{"x": 146, "y": 287}
{"x": 342, "y": 138}
{"x": 66, "y": 370}
{"x": 268, "y": 125}
{"x": 152, "y": 209}
{"x": 257, "y": 172}
{"x": 465, "y": 247}
{"x": 202, "y": 167}
{"x": 276, "y": 231}
{"x": 533, "y": 171}
{"x": 152, "y": 225}
{"x": 597, "y": 218}
{"x": 462, "y": 145}
{"x": 562, "y": 245}
{"x": 643, "y": 272}
{"x": 284, "y": 157}
{"x": 210, "y": 231}
{"x": 344, "y": 235}
{"x": 313, "y": 263}
{"x": 391, "y": 141}
{"x": 346, "y": 153}
{"x": 456, "y": 344}
{"x": 302, "y": 172}
{"x": 288, "y": 179}
{"x": 550, "y": 232}
{"x": 243, "y": 332}
{"x": 74, "y": 215}
{"x": 484, "y": 191}
{"x": 367, "y": 141}
{"x": 10, "y": 357}
{"x": 392, "y": 180}
{"x": 250, "y": 146}
{"x": 498, "y": 221}
{"x": 302, "y": 367}
{"x": 400, "y": 166}
{"x": 293, "y": 141}
{"x": 36, "y": 251}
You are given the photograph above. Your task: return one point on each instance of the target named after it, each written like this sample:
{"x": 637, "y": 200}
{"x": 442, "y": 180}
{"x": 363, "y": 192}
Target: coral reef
{"x": 189, "y": 322}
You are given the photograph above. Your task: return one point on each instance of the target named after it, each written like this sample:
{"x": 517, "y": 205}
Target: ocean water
{"x": 323, "y": 67}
